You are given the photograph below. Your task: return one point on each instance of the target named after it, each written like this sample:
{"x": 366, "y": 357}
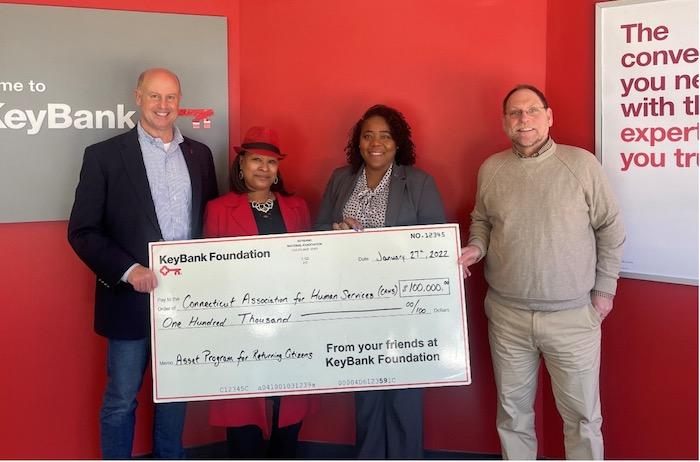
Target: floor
{"x": 324, "y": 451}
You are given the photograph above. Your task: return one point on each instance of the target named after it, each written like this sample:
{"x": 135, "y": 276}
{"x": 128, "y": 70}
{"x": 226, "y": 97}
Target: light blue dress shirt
{"x": 169, "y": 181}
{"x": 170, "y": 185}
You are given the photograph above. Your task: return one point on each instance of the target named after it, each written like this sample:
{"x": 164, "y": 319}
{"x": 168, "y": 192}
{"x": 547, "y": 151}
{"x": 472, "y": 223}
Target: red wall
{"x": 309, "y": 68}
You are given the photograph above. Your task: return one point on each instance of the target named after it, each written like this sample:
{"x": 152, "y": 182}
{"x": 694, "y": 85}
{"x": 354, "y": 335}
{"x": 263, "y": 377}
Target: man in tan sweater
{"x": 546, "y": 220}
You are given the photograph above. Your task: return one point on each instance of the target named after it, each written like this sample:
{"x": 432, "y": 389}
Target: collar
{"x": 547, "y": 144}
{"x": 234, "y": 199}
{"x": 382, "y": 183}
{"x": 144, "y": 136}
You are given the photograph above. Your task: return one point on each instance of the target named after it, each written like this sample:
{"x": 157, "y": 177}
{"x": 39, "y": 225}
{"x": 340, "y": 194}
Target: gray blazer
{"x": 413, "y": 198}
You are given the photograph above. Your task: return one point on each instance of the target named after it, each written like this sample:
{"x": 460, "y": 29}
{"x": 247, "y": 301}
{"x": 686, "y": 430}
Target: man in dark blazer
{"x": 149, "y": 184}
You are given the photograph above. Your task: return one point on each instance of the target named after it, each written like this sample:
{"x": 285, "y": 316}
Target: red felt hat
{"x": 261, "y": 140}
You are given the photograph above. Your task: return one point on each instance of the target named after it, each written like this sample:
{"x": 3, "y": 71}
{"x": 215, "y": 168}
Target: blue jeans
{"x": 126, "y": 364}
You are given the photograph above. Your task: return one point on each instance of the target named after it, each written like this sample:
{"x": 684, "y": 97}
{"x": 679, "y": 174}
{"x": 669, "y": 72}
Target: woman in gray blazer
{"x": 381, "y": 188}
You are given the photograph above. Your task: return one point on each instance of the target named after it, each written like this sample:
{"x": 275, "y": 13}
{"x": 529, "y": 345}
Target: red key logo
{"x": 164, "y": 270}
{"x": 200, "y": 117}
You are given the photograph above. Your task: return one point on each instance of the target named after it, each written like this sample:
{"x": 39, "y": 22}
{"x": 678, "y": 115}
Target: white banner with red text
{"x": 647, "y": 107}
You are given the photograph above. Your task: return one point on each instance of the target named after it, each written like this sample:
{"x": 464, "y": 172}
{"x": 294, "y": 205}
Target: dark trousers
{"x": 247, "y": 442}
{"x": 389, "y": 424}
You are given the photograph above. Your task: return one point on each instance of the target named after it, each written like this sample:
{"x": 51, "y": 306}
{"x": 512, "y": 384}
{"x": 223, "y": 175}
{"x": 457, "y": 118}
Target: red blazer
{"x": 231, "y": 216}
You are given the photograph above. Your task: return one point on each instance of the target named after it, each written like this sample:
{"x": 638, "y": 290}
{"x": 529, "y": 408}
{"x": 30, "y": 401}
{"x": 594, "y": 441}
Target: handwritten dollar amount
{"x": 435, "y": 286}
{"x": 415, "y": 307}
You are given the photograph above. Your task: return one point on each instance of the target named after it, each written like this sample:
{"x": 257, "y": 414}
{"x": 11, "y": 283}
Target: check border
{"x": 363, "y": 383}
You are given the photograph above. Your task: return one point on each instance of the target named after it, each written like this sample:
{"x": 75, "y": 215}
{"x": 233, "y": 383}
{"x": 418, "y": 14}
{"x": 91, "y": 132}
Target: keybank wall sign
{"x": 58, "y": 116}
{"x": 70, "y": 84}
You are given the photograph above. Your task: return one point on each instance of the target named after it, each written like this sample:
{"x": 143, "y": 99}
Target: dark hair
{"x": 238, "y": 184}
{"x": 525, "y": 86}
{"x": 400, "y": 132}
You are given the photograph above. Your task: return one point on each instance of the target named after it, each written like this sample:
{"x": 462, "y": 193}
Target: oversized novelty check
{"x": 319, "y": 312}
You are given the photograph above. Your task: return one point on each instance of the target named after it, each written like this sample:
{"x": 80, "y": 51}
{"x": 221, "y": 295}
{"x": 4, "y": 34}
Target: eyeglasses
{"x": 533, "y": 111}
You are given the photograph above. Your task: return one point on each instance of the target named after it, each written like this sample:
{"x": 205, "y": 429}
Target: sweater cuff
{"x": 605, "y": 285}
{"x": 598, "y": 293}
{"x": 480, "y": 245}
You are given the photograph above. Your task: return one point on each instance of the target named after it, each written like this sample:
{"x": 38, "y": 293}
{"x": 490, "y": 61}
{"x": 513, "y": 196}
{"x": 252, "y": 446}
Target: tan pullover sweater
{"x": 549, "y": 227}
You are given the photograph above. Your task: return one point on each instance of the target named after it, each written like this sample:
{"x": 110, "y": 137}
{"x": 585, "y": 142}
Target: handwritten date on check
{"x": 321, "y": 312}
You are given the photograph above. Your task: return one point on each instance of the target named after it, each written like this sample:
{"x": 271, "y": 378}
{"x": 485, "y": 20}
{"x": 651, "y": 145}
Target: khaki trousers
{"x": 569, "y": 342}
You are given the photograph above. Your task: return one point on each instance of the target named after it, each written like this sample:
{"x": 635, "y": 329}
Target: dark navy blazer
{"x": 113, "y": 220}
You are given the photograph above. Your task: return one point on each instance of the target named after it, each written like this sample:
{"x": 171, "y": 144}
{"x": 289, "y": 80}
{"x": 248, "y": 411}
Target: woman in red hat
{"x": 259, "y": 204}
